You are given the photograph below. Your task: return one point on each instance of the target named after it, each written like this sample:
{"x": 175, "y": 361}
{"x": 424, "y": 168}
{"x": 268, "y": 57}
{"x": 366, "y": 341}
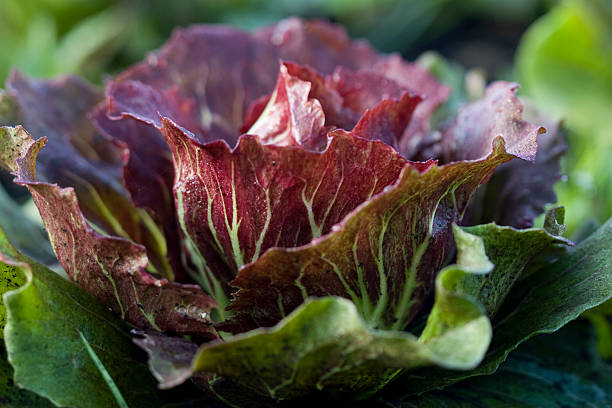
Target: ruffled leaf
{"x": 305, "y": 106}
{"x": 383, "y": 256}
{"x": 544, "y": 301}
{"x": 499, "y": 112}
{"x": 80, "y": 157}
{"x": 45, "y": 316}
{"x": 325, "y": 344}
{"x": 511, "y": 250}
{"x": 519, "y": 191}
{"x": 235, "y": 204}
{"x": 111, "y": 269}
{"x": 416, "y": 78}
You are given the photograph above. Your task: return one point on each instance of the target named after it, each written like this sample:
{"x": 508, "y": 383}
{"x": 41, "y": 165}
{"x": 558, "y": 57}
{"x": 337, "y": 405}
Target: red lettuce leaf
{"x": 213, "y": 80}
{"x": 305, "y": 106}
{"x": 519, "y": 191}
{"x": 385, "y": 254}
{"x": 497, "y": 113}
{"x": 110, "y": 268}
{"x": 318, "y": 44}
{"x": 235, "y": 204}
{"x": 417, "y": 138}
{"x": 80, "y": 157}
{"x": 146, "y": 179}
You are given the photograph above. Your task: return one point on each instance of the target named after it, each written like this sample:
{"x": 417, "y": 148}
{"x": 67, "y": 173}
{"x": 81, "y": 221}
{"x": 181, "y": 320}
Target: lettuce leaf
{"x": 544, "y": 301}
{"x": 558, "y": 370}
{"x": 110, "y": 268}
{"x": 39, "y": 344}
{"x": 326, "y": 344}
{"x": 80, "y": 157}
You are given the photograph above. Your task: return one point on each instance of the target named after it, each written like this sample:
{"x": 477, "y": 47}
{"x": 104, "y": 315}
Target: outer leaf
{"x": 81, "y": 157}
{"x": 542, "y": 303}
{"x": 560, "y": 370}
{"x": 11, "y": 278}
{"x": 110, "y": 268}
{"x": 11, "y": 396}
{"x": 45, "y": 317}
{"x": 511, "y": 250}
{"x": 498, "y": 113}
{"x": 326, "y": 345}
{"x": 317, "y": 337}
{"x": 517, "y": 191}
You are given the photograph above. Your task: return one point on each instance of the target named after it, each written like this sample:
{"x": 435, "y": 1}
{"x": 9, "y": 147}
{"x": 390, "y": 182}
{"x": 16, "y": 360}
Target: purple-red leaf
{"x": 520, "y": 190}
{"x": 235, "y": 204}
{"x": 318, "y": 44}
{"x": 305, "y": 106}
{"x": 498, "y": 113}
{"x": 110, "y": 268}
{"x": 80, "y": 157}
{"x": 385, "y": 254}
{"x": 420, "y": 81}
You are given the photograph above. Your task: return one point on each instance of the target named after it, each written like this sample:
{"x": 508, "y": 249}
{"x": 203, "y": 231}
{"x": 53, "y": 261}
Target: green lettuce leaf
{"x": 47, "y": 316}
{"x": 326, "y": 344}
{"x": 11, "y": 396}
{"x": 542, "y": 302}
{"x": 561, "y": 370}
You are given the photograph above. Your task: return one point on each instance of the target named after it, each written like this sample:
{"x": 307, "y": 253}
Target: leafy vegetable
{"x": 319, "y": 237}
{"x": 12, "y": 396}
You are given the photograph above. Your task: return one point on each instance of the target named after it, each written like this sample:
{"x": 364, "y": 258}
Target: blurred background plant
{"x": 91, "y": 37}
{"x": 563, "y": 62}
